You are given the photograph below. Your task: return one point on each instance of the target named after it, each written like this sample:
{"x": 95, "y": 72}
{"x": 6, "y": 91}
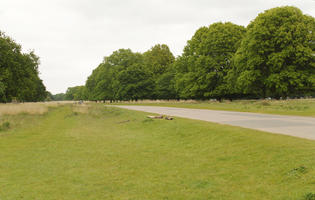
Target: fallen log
{"x": 169, "y": 118}
{"x": 155, "y": 117}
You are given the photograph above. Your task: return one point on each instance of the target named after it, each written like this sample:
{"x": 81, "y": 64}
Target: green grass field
{"x": 98, "y": 152}
{"x": 299, "y": 107}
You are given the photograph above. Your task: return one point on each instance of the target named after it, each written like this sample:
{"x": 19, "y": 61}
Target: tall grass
{"x": 14, "y": 115}
{"x": 28, "y": 108}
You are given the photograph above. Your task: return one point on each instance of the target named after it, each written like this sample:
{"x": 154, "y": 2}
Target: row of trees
{"x": 272, "y": 57}
{"x": 19, "y": 78}
{"x": 126, "y": 75}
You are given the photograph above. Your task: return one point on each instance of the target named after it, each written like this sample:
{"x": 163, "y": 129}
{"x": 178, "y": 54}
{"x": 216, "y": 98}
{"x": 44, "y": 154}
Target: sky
{"x": 72, "y": 37}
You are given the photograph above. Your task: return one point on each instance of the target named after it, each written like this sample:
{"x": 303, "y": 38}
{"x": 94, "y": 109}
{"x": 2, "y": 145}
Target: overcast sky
{"x": 71, "y": 37}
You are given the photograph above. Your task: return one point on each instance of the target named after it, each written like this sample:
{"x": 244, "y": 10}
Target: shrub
{"x": 5, "y": 126}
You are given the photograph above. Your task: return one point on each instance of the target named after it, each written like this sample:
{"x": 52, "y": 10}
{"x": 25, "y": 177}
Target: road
{"x": 303, "y": 127}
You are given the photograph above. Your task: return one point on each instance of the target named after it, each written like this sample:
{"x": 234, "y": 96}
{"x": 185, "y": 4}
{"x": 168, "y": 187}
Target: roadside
{"x": 302, "y": 127}
{"x": 295, "y": 107}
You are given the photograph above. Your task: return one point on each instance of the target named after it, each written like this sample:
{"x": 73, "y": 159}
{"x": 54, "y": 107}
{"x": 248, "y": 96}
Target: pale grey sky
{"x": 71, "y": 37}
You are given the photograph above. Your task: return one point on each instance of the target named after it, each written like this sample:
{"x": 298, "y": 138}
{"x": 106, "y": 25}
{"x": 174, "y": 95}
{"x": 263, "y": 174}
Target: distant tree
{"x": 91, "y": 83}
{"x": 275, "y": 58}
{"x": 121, "y": 76}
{"x": 76, "y": 93}
{"x": 70, "y": 93}
{"x": 49, "y": 96}
{"x": 59, "y": 97}
{"x": 81, "y": 93}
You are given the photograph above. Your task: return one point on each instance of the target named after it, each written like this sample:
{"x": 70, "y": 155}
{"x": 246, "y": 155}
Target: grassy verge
{"x": 299, "y": 107}
{"x": 110, "y": 153}
{"x": 15, "y": 115}
{"x": 27, "y": 108}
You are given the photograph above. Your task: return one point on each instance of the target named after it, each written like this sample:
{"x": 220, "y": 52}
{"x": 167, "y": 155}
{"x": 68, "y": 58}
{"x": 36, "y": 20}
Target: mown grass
{"x": 111, "y": 153}
{"x": 299, "y": 107}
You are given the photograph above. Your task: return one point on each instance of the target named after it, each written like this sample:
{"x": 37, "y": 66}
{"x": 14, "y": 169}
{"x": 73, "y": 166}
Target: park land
{"x": 90, "y": 151}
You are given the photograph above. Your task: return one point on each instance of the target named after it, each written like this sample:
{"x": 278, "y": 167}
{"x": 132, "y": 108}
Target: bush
{"x": 5, "y": 126}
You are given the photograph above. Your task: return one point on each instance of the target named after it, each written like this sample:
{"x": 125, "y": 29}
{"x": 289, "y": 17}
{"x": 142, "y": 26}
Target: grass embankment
{"x": 109, "y": 153}
{"x": 299, "y": 107}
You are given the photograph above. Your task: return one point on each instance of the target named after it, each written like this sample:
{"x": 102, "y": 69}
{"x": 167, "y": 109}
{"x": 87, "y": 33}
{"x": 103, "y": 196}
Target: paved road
{"x": 303, "y": 127}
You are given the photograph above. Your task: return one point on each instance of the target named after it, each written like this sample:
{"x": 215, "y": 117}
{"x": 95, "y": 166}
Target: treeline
{"x": 273, "y": 57}
{"x": 19, "y": 80}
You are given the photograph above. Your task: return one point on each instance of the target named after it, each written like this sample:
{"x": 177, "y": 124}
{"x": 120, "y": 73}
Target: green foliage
{"x": 76, "y": 93}
{"x": 206, "y": 60}
{"x": 99, "y": 83}
{"x": 309, "y": 196}
{"x": 102, "y": 84}
{"x": 2, "y": 92}
{"x": 126, "y": 75}
{"x": 135, "y": 83}
{"x": 158, "y": 59}
{"x": 49, "y": 96}
{"x": 19, "y": 73}
{"x": 59, "y": 97}
{"x": 275, "y": 58}
{"x": 5, "y": 126}
{"x": 165, "y": 85}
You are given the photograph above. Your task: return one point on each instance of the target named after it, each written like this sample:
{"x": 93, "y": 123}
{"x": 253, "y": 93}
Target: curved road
{"x": 303, "y": 127}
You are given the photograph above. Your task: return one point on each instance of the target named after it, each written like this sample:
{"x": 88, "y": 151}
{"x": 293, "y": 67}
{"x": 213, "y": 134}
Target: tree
{"x": 59, "y": 97}
{"x": 206, "y": 61}
{"x": 135, "y": 82}
{"x": 19, "y": 75}
{"x": 99, "y": 84}
{"x": 2, "y": 92}
{"x": 275, "y": 58}
{"x": 158, "y": 61}
{"x": 165, "y": 85}
{"x": 121, "y": 76}
{"x": 76, "y": 93}
{"x": 49, "y": 96}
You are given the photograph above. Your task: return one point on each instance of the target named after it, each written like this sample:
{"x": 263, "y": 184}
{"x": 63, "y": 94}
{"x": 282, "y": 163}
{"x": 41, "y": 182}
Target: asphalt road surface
{"x": 303, "y": 127}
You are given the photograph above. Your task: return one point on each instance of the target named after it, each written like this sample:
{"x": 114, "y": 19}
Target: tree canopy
{"x": 74, "y": 93}
{"x": 206, "y": 61}
{"x": 121, "y": 76}
{"x": 19, "y": 75}
{"x": 275, "y": 58}
{"x": 158, "y": 61}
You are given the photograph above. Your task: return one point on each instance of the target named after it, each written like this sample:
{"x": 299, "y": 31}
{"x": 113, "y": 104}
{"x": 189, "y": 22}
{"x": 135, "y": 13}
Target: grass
{"x": 13, "y": 115}
{"x": 109, "y": 153}
{"x": 28, "y": 108}
{"x": 299, "y": 107}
